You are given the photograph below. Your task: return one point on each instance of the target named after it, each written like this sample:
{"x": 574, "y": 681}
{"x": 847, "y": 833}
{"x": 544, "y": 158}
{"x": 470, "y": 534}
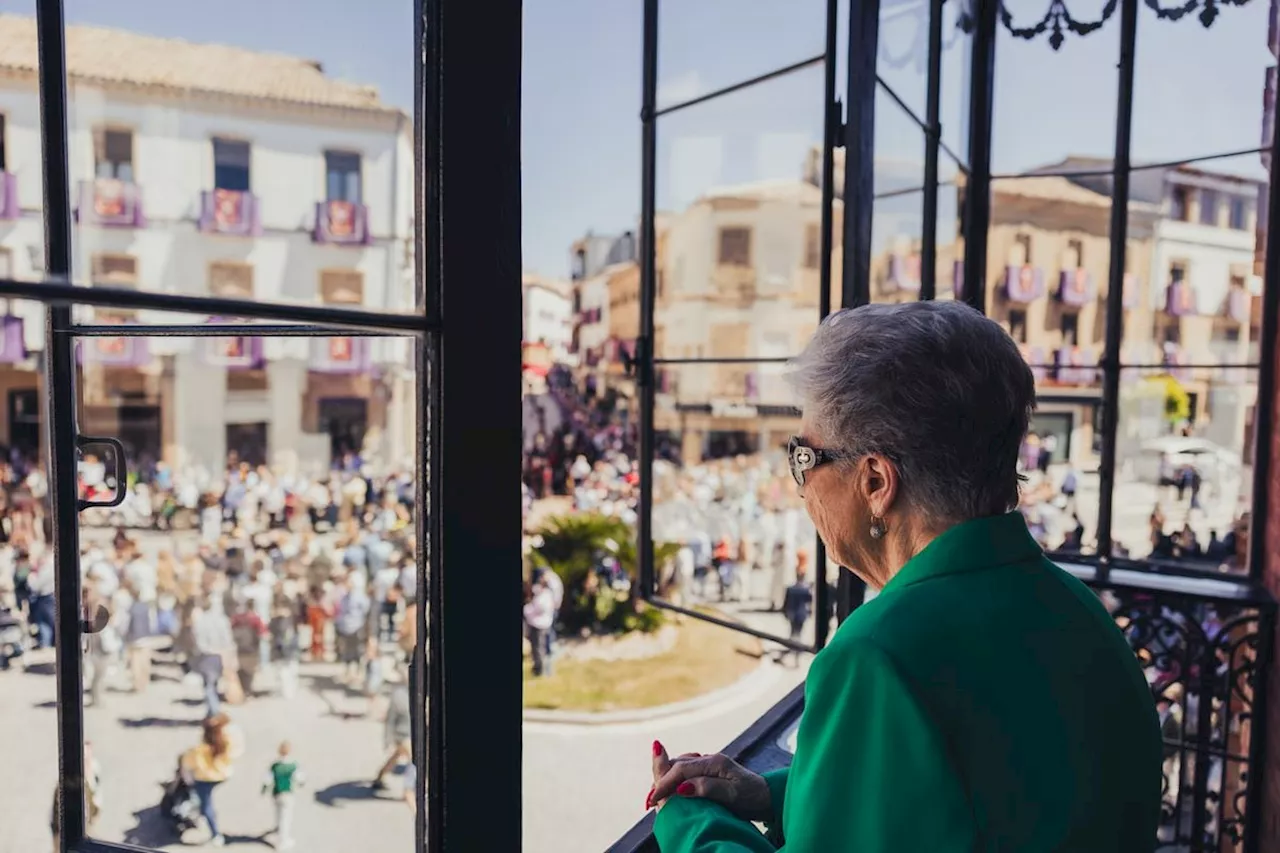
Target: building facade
{"x": 207, "y": 169}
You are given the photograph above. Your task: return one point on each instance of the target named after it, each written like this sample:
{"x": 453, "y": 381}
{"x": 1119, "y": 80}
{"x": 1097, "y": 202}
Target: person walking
{"x": 349, "y": 623}
{"x": 283, "y": 779}
{"x": 798, "y": 603}
{"x": 397, "y": 730}
{"x": 211, "y": 637}
{"x": 209, "y": 764}
{"x": 539, "y": 615}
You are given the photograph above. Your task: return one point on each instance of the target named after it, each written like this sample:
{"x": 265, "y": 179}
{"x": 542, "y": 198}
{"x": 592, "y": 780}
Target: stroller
{"x": 179, "y": 803}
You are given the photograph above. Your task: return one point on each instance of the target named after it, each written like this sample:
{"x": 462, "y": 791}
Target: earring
{"x": 878, "y": 530}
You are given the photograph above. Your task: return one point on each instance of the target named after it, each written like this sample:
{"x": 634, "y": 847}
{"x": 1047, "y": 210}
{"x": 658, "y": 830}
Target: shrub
{"x": 571, "y": 547}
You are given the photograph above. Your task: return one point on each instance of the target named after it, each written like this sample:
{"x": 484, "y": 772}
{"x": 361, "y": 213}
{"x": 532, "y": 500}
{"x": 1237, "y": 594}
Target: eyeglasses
{"x": 802, "y": 458}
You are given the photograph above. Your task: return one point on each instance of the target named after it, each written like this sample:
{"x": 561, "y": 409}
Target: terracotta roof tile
{"x": 107, "y": 56}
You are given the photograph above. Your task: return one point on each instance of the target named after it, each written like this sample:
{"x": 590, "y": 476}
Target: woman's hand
{"x": 713, "y": 777}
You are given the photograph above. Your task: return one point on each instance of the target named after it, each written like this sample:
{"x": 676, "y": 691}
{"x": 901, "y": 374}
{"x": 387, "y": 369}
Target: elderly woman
{"x": 983, "y": 700}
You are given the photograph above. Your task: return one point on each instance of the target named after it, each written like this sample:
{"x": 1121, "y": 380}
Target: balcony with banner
{"x": 1076, "y": 366}
{"x": 1076, "y": 288}
{"x": 1180, "y": 299}
{"x": 340, "y": 355}
{"x": 903, "y": 275}
{"x": 235, "y": 352}
{"x": 110, "y": 203}
{"x": 1023, "y": 284}
{"x": 342, "y": 223}
{"x": 231, "y": 212}
{"x": 9, "y": 206}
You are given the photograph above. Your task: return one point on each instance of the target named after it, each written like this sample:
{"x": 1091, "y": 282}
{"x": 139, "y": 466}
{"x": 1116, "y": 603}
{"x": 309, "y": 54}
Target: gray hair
{"x": 936, "y": 387}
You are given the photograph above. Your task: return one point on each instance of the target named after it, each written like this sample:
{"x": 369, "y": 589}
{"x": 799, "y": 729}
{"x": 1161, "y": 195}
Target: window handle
{"x": 121, "y": 471}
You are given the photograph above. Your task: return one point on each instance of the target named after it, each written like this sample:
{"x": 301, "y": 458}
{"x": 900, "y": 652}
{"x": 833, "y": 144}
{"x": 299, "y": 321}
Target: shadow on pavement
{"x": 152, "y": 829}
{"x": 334, "y": 795}
{"x": 157, "y": 722}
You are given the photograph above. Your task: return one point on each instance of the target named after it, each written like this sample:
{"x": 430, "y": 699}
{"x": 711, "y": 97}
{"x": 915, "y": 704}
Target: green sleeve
{"x": 871, "y": 773}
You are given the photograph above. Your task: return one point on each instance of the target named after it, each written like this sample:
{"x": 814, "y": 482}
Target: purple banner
{"x": 1076, "y": 366}
{"x": 1023, "y": 284}
{"x": 114, "y": 352}
{"x": 340, "y": 355}
{"x": 229, "y": 212}
{"x": 1180, "y": 299}
{"x": 904, "y": 273}
{"x": 13, "y": 346}
{"x": 1034, "y": 357}
{"x": 752, "y": 389}
{"x": 9, "y": 208}
{"x": 1075, "y": 287}
{"x": 235, "y": 353}
{"x": 108, "y": 202}
{"x": 342, "y": 223}
{"x": 957, "y": 280}
{"x": 1239, "y": 304}
{"x": 1173, "y": 359}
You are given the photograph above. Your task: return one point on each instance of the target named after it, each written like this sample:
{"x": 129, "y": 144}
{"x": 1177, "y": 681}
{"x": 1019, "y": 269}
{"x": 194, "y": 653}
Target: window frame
{"x": 482, "y": 56}
{"x": 359, "y": 172}
{"x": 99, "y": 133}
{"x": 214, "y": 142}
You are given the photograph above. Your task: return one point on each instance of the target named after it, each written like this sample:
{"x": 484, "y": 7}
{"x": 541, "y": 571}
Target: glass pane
{"x": 261, "y": 567}
{"x": 196, "y": 140}
{"x": 1034, "y": 129}
{"x": 899, "y": 148}
{"x": 21, "y": 167}
{"x": 1199, "y": 230}
{"x": 950, "y": 276}
{"x": 28, "y": 712}
{"x": 902, "y": 63}
{"x": 1181, "y": 108}
{"x": 1048, "y": 259}
{"x": 1184, "y": 476}
{"x": 709, "y": 44}
{"x": 954, "y": 103}
{"x": 739, "y": 180}
{"x": 727, "y": 515}
{"x": 613, "y": 657}
{"x": 895, "y": 247}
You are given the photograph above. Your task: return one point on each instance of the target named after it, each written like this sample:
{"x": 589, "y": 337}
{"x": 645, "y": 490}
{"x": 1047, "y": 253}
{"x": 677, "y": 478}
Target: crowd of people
{"x": 276, "y": 572}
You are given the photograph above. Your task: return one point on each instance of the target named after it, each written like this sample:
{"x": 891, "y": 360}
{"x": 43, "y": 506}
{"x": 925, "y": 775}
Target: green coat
{"x": 984, "y": 701}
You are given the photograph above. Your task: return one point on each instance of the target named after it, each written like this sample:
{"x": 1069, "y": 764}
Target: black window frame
{"x": 481, "y": 223}
{"x": 223, "y": 170}
{"x": 853, "y": 130}
{"x": 349, "y": 159}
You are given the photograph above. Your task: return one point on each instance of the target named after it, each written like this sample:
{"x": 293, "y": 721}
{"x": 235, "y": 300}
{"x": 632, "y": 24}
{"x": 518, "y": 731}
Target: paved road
{"x": 583, "y": 785}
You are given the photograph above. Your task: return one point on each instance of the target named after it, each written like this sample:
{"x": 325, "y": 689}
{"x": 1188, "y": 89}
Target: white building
{"x": 213, "y": 170}
{"x": 547, "y": 318}
{"x": 1205, "y": 292}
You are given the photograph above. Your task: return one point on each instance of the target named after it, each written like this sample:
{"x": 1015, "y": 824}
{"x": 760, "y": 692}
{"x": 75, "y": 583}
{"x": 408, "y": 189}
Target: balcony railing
{"x": 344, "y": 223}
{"x": 233, "y": 212}
{"x": 1076, "y": 366}
{"x": 1204, "y": 647}
{"x": 111, "y": 203}
{"x": 9, "y": 208}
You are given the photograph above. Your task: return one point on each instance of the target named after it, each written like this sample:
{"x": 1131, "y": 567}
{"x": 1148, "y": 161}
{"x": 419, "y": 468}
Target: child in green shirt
{"x": 282, "y": 780}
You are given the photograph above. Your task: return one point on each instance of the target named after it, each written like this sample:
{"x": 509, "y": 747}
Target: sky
{"x": 1198, "y": 91}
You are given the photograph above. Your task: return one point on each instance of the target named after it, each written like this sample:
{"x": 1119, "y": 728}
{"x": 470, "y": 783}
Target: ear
{"x": 880, "y": 483}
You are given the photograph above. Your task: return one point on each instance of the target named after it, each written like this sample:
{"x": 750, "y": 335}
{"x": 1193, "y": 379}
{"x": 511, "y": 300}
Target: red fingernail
{"x": 648, "y": 800}
{"x": 657, "y": 748}
{"x": 685, "y": 789}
